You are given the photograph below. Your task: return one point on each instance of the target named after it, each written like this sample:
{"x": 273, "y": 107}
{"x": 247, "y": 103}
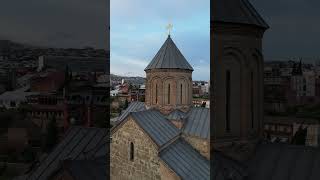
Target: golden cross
{"x": 169, "y": 28}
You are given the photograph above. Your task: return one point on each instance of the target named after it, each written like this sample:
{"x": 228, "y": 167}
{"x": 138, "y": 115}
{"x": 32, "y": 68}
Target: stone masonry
{"x": 146, "y": 163}
{"x": 160, "y": 79}
{"x": 201, "y": 145}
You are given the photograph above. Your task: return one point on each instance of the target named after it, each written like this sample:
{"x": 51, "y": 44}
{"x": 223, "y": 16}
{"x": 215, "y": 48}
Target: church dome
{"x": 169, "y": 57}
{"x": 169, "y": 80}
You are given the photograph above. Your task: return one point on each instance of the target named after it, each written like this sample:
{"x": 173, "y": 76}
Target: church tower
{"x": 237, "y": 66}
{"x": 169, "y": 80}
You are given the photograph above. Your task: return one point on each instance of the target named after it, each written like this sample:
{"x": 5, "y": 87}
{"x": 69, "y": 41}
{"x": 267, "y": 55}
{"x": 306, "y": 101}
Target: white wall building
{"x": 13, "y": 99}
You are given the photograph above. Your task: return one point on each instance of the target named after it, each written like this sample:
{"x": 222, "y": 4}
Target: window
{"x": 12, "y": 104}
{"x": 131, "y": 151}
{"x": 251, "y": 103}
{"x": 156, "y": 93}
{"x": 181, "y": 94}
{"x": 228, "y": 101}
{"x": 169, "y": 94}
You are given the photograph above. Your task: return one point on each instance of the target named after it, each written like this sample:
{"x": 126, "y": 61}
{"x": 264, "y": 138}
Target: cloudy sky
{"x": 294, "y": 28}
{"x": 138, "y": 29}
{"x": 56, "y": 23}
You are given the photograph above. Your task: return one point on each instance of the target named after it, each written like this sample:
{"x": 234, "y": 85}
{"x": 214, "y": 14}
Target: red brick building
{"x": 48, "y": 82}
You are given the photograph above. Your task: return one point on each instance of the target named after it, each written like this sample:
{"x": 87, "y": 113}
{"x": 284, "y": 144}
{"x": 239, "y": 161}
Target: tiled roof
{"x": 133, "y": 107}
{"x": 169, "y": 57}
{"x": 176, "y": 115}
{"x": 185, "y": 161}
{"x": 198, "y": 123}
{"x": 280, "y": 161}
{"x": 160, "y": 129}
{"x": 236, "y": 11}
{"x": 79, "y": 143}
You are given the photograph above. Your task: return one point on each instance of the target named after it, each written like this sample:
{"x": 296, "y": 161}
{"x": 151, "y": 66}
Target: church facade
{"x": 165, "y": 137}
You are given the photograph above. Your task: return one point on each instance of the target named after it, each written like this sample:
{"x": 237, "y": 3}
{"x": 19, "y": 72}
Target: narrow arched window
{"x": 156, "y": 93}
{"x": 131, "y": 151}
{"x": 228, "y": 77}
{"x": 181, "y": 94}
{"x": 252, "y": 101}
{"x": 169, "y": 94}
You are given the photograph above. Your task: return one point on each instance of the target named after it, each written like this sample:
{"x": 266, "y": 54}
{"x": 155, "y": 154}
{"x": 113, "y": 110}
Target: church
{"x": 165, "y": 137}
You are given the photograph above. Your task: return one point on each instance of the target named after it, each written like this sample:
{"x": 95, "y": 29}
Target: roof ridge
{"x": 169, "y": 57}
{"x": 172, "y": 141}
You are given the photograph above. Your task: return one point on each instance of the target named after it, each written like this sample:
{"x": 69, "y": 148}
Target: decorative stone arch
{"x": 231, "y": 94}
{"x": 169, "y": 90}
{"x": 156, "y": 90}
{"x": 235, "y": 52}
{"x": 256, "y": 66}
{"x": 182, "y": 91}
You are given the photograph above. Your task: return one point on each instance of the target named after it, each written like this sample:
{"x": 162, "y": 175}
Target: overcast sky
{"x": 138, "y": 31}
{"x": 294, "y": 28}
{"x": 56, "y": 23}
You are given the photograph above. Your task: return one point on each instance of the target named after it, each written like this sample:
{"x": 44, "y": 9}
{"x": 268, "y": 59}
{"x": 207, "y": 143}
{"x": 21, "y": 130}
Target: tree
{"x": 299, "y": 137}
{"x": 141, "y": 98}
{"x": 51, "y": 135}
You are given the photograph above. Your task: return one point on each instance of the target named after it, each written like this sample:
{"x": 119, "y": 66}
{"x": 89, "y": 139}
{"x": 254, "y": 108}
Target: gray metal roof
{"x": 280, "y": 161}
{"x": 169, "y": 57}
{"x": 79, "y": 143}
{"x": 198, "y": 123}
{"x": 176, "y": 115}
{"x": 88, "y": 169}
{"x": 160, "y": 129}
{"x": 133, "y": 107}
{"x": 185, "y": 161}
{"x": 223, "y": 168}
{"x": 236, "y": 11}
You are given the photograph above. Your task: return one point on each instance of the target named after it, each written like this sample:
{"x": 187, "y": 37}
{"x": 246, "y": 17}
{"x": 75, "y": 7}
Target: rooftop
{"x": 236, "y": 11}
{"x": 169, "y": 57}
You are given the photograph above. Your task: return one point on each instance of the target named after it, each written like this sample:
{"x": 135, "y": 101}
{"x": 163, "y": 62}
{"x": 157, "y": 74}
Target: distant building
{"x": 282, "y": 129}
{"x": 77, "y": 65}
{"x": 13, "y": 99}
{"x": 50, "y": 81}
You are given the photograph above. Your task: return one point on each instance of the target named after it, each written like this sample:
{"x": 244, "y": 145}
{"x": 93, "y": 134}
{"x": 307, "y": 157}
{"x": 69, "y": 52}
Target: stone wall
{"x": 167, "y": 173}
{"x": 146, "y": 163}
{"x": 203, "y": 146}
{"x": 238, "y": 53}
{"x": 157, "y": 84}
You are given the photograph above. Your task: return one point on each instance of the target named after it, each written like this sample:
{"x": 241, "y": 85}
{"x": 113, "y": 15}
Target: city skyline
{"x": 139, "y": 29}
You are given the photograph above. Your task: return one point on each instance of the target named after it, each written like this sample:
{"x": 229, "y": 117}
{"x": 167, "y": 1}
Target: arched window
{"x": 156, "y": 93}
{"x": 251, "y": 98}
{"x": 168, "y": 93}
{"x": 131, "y": 151}
{"x": 228, "y": 77}
{"x": 180, "y": 93}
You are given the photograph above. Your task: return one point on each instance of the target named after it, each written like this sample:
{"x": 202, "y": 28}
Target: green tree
{"x": 52, "y": 135}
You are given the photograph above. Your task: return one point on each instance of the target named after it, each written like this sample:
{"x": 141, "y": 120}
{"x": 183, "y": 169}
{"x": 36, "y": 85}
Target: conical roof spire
{"x": 169, "y": 57}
